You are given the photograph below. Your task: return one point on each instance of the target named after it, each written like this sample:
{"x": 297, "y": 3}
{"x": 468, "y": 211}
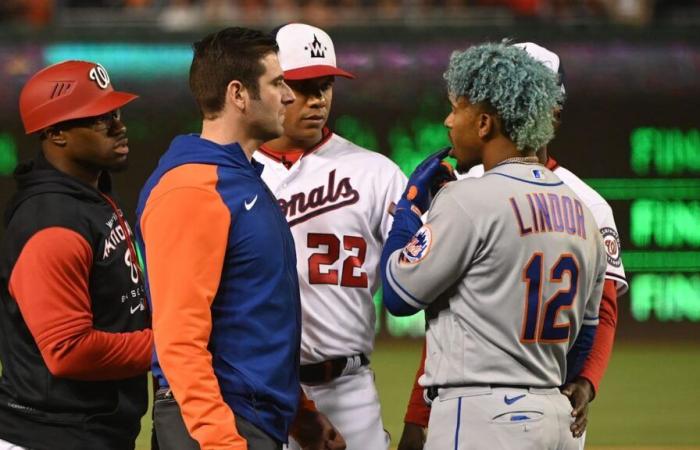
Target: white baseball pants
{"x": 351, "y": 403}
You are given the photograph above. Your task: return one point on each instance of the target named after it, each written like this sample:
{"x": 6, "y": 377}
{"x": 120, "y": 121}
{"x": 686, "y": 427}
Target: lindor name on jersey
{"x": 335, "y": 199}
{"x": 602, "y": 213}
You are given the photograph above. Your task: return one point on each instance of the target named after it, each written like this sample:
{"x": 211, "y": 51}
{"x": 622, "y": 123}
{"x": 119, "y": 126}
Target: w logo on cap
{"x": 307, "y": 52}
{"x": 99, "y": 75}
{"x": 318, "y": 50}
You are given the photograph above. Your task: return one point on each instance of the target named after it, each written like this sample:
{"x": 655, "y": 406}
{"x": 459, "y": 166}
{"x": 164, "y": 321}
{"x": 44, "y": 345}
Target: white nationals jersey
{"x": 602, "y": 213}
{"x": 509, "y": 266}
{"x": 336, "y": 199}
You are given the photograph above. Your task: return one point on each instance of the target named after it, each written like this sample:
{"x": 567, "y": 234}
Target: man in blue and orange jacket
{"x": 221, "y": 268}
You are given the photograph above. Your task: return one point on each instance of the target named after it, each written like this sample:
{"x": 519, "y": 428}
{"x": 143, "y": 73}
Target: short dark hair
{"x": 230, "y": 54}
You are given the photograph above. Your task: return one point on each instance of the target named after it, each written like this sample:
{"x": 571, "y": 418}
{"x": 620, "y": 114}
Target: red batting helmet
{"x": 68, "y": 90}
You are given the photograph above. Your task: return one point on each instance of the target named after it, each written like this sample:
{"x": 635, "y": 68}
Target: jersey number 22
{"x": 348, "y": 278}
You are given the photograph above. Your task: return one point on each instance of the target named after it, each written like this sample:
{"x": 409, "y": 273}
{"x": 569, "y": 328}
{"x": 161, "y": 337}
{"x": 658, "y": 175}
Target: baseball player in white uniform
{"x": 336, "y": 197}
{"x": 509, "y": 267}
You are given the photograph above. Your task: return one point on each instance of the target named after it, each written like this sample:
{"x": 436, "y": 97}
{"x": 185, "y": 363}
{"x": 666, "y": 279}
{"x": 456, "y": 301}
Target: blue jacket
{"x": 207, "y": 202}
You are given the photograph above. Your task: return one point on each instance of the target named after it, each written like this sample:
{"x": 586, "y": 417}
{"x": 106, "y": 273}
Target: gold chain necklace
{"x": 521, "y": 159}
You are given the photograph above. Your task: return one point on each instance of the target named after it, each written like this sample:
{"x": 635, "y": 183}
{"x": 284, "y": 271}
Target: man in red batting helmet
{"x": 76, "y": 341}
{"x": 66, "y": 91}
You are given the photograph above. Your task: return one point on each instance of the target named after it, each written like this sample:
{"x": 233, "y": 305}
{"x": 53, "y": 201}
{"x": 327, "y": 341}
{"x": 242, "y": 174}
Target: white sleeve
{"x": 590, "y": 316}
{"x": 611, "y": 239}
{"x": 389, "y": 194}
{"x": 474, "y": 172}
{"x": 437, "y": 256}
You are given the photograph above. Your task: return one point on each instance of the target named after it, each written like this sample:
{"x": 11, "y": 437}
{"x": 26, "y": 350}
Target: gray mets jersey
{"x": 509, "y": 266}
{"x": 602, "y": 213}
{"x": 336, "y": 198}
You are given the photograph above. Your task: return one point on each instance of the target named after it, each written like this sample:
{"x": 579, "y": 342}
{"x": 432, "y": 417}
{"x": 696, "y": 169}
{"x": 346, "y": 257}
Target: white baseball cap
{"x": 546, "y": 57}
{"x": 307, "y": 52}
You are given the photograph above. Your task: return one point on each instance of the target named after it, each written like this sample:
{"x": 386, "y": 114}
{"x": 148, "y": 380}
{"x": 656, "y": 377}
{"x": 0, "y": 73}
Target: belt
{"x": 331, "y": 369}
{"x": 163, "y": 393}
{"x": 431, "y": 392}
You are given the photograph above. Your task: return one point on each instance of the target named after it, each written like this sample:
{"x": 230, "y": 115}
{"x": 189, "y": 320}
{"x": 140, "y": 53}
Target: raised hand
{"x": 427, "y": 178}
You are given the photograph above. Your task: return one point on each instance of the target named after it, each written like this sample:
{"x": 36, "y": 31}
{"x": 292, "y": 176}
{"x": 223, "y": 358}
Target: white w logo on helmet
{"x": 99, "y": 75}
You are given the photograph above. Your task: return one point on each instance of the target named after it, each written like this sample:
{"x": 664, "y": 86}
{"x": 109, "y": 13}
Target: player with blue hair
{"x": 521, "y": 90}
{"x": 509, "y": 267}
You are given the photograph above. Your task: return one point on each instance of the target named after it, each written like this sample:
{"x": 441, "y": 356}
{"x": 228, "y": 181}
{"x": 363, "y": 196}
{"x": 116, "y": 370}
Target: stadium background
{"x": 631, "y": 129}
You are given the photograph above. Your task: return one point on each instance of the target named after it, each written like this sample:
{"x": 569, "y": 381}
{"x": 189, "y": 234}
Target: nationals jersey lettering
{"x": 335, "y": 198}
{"x": 319, "y": 200}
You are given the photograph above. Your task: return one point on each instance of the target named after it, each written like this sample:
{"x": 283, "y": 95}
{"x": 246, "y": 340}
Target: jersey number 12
{"x": 540, "y": 323}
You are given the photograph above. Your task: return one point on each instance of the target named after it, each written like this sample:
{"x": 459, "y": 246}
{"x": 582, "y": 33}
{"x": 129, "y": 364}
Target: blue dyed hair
{"x": 523, "y": 92}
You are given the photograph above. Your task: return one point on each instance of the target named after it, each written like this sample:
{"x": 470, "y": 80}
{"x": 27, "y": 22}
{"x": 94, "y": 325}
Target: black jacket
{"x": 39, "y": 410}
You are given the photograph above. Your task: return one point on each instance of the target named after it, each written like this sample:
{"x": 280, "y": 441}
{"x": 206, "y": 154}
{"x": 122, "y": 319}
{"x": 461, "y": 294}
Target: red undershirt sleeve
{"x": 417, "y": 411}
{"x": 49, "y": 282}
{"x": 599, "y": 357}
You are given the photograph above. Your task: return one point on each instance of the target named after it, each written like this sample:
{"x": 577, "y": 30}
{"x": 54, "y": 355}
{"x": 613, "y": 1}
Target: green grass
{"x": 144, "y": 440}
{"x": 649, "y": 397}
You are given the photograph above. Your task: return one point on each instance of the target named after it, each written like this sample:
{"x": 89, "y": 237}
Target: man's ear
{"x": 56, "y": 136}
{"x": 237, "y": 95}
{"x": 486, "y": 125}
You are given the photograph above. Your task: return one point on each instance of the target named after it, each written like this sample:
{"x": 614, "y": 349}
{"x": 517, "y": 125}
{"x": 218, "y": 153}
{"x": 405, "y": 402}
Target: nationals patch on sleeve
{"x": 418, "y": 247}
{"x": 612, "y": 245}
